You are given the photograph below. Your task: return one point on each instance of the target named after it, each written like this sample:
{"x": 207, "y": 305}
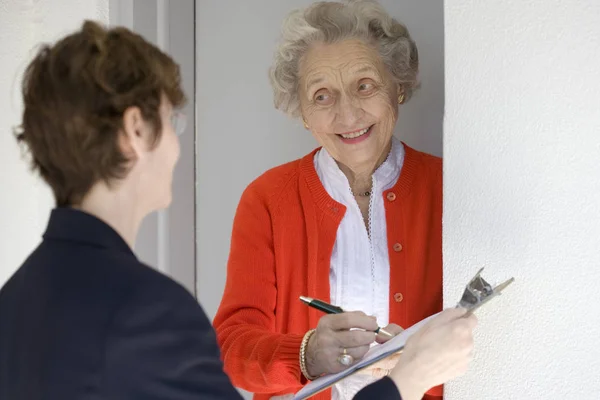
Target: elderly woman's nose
{"x": 349, "y": 110}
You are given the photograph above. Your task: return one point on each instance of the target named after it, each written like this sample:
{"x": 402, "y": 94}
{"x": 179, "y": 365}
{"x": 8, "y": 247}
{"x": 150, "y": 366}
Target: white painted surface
{"x": 522, "y": 192}
{"x": 25, "y": 201}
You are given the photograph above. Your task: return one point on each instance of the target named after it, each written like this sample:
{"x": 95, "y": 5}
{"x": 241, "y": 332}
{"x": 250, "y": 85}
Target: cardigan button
{"x": 397, "y": 247}
{"x": 398, "y": 297}
{"x": 391, "y": 196}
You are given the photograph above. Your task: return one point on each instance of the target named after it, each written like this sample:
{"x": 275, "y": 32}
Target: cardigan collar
{"x": 330, "y": 206}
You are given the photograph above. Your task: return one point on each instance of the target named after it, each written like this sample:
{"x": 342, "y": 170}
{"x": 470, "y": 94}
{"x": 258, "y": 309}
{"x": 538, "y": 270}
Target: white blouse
{"x": 359, "y": 274}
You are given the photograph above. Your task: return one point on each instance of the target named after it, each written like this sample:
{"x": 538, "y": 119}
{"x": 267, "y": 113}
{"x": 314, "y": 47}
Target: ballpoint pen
{"x": 331, "y": 309}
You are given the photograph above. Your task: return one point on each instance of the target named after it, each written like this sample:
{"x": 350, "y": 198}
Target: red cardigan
{"x": 283, "y": 235}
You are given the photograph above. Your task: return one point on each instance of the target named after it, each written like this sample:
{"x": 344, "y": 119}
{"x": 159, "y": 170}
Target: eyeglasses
{"x": 178, "y": 122}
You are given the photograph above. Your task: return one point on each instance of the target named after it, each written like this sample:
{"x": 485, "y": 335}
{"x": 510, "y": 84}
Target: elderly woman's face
{"x": 349, "y": 101}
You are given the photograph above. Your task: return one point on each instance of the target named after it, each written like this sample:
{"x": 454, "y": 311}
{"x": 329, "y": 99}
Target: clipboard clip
{"x": 478, "y": 292}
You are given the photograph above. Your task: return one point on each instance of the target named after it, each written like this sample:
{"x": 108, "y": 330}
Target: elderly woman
{"x": 356, "y": 223}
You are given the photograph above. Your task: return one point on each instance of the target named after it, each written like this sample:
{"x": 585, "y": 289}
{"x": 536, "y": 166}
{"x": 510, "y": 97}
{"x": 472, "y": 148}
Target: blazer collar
{"x": 69, "y": 224}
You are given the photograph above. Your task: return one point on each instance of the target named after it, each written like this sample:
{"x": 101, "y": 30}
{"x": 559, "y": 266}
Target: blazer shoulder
{"x": 155, "y": 302}
{"x": 149, "y": 284}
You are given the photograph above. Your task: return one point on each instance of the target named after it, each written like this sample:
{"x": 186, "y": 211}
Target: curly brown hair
{"x": 75, "y": 93}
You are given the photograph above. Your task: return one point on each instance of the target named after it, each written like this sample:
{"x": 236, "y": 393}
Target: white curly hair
{"x": 330, "y": 22}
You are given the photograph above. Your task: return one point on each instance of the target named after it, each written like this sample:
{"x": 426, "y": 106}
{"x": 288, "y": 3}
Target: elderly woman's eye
{"x": 366, "y": 87}
{"x": 323, "y": 97}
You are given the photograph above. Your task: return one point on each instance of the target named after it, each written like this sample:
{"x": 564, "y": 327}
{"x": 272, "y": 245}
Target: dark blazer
{"x": 82, "y": 318}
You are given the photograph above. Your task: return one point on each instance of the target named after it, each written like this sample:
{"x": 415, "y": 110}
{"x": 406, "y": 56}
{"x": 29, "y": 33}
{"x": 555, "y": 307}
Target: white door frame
{"x": 167, "y": 239}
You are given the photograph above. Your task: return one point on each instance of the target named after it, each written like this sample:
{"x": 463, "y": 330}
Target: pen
{"x": 331, "y": 309}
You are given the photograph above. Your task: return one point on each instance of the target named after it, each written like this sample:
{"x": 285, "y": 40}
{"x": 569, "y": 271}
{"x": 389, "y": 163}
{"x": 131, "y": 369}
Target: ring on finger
{"x": 345, "y": 359}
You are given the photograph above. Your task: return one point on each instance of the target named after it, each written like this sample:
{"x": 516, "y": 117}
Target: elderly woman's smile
{"x": 356, "y": 136}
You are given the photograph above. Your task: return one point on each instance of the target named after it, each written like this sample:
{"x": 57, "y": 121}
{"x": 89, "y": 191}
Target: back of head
{"x": 75, "y": 93}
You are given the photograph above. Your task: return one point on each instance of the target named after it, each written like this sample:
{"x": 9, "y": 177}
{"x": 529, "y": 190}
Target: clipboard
{"x": 477, "y": 293}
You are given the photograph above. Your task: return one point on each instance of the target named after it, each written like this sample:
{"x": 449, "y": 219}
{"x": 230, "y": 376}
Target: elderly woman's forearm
{"x": 260, "y": 361}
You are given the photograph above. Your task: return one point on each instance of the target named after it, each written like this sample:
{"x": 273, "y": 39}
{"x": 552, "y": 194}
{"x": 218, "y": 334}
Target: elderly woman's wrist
{"x": 311, "y": 362}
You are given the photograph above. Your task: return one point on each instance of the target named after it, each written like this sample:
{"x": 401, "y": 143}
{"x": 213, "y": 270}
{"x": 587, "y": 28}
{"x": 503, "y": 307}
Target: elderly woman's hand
{"x": 394, "y": 329}
{"x": 383, "y": 367}
{"x": 336, "y": 336}
{"x": 437, "y": 353}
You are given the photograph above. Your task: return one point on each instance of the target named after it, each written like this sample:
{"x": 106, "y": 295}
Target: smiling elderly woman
{"x": 356, "y": 222}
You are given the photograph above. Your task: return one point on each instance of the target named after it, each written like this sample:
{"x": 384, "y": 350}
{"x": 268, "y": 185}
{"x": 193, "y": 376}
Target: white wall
{"x": 25, "y": 201}
{"x": 240, "y": 134}
{"x": 522, "y": 191}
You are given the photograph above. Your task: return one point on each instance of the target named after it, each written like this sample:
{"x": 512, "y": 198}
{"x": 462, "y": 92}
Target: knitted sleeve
{"x": 256, "y": 358}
